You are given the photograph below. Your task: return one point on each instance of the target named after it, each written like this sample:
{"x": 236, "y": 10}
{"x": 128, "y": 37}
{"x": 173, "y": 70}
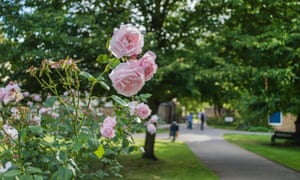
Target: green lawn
{"x": 282, "y": 153}
{"x": 176, "y": 162}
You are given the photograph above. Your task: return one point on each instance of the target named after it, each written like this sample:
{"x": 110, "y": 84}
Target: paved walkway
{"x": 229, "y": 161}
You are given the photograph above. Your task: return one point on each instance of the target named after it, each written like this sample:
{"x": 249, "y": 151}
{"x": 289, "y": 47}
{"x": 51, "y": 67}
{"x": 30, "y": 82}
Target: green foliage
{"x": 66, "y": 144}
{"x": 38, "y": 30}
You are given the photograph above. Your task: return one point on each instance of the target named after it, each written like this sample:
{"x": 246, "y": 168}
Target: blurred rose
{"x": 26, "y": 94}
{"x": 107, "y": 131}
{"x": 151, "y": 128}
{"x": 132, "y": 107}
{"x": 15, "y": 112}
{"x": 12, "y": 93}
{"x": 126, "y": 41}
{"x": 127, "y": 78}
{"x": 36, "y": 97}
{"x": 10, "y": 131}
{"x": 36, "y": 121}
{"x": 110, "y": 121}
{"x": 143, "y": 111}
{"x": 29, "y": 103}
{"x": 2, "y": 94}
{"x": 54, "y": 115}
{"x": 147, "y": 62}
{"x": 154, "y": 119}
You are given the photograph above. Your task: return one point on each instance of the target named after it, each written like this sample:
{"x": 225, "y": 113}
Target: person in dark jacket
{"x": 174, "y": 128}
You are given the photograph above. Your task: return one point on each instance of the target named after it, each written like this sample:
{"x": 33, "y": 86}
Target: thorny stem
{"x": 88, "y": 105}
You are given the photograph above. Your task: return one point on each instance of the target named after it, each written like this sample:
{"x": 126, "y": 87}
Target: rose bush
{"x": 62, "y": 133}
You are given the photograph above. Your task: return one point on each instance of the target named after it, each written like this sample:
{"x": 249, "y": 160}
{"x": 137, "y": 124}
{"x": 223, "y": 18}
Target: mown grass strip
{"x": 282, "y": 153}
{"x": 175, "y": 162}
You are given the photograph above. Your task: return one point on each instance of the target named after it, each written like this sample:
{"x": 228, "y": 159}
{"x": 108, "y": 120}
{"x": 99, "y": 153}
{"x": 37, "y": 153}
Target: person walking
{"x": 190, "y": 121}
{"x": 202, "y": 120}
{"x": 174, "y": 129}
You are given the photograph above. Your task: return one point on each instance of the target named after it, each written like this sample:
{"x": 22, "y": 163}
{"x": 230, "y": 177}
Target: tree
{"x": 38, "y": 30}
{"x": 260, "y": 39}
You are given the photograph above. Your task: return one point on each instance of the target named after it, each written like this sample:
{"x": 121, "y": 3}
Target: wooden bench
{"x": 282, "y": 135}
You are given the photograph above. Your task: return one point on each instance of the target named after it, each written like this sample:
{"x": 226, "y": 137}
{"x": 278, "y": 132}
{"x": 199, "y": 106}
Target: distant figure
{"x": 201, "y": 116}
{"x": 190, "y": 121}
{"x": 174, "y": 128}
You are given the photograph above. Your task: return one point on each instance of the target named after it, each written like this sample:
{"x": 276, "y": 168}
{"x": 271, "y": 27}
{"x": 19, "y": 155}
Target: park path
{"x": 229, "y": 161}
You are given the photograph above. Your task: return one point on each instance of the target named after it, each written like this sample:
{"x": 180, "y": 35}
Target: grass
{"x": 175, "y": 162}
{"x": 282, "y": 153}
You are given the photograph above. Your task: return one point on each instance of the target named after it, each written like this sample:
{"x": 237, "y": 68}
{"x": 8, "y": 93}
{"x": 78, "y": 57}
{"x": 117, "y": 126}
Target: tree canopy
{"x": 240, "y": 52}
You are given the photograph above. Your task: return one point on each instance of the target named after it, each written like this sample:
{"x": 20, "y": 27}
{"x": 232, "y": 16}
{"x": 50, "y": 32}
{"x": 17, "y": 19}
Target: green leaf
{"x": 102, "y": 59}
{"x": 77, "y": 146}
{"x": 63, "y": 173}
{"x": 119, "y": 100}
{"x": 93, "y": 143}
{"x": 25, "y": 177}
{"x": 100, "y": 151}
{"x": 37, "y": 177}
{"x": 144, "y": 97}
{"x": 87, "y": 76}
{"x": 12, "y": 173}
{"x": 33, "y": 170}
{"x": 113, "y": 62}
{"x": 36, "y": 130}
{"x": 104, "y": 85}
{"x": 50, "y": 101}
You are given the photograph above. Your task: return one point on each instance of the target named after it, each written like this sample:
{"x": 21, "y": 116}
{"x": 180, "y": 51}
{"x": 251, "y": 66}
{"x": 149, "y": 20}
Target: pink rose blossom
{"x": 107, "y": 131}
{"x": 12, "y": 93}
{"x": 126, "y": 41}
{"x": 110, "y": 121}
{"x": 2, "y": 94}
{"x": 44, "y": 110}
{"x": 154, "y": 119}
{"x": 143, "y": 111}
{"x": 151, "y": 128}
{"x": 29, "y": 103}
{"x": 127, "y": 78}
{"x": 147, "y": 62}
{"x": 26, "y": 94}
{"x": 36, "y": 97}
{"x": 36, "y": 121}
{"x": 54, "y": 115}
{"x": 10, "y": 131}
{"x": 132, "y": 107}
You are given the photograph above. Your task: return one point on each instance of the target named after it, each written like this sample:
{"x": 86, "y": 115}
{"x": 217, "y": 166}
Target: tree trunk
{"x": 297, "y": 125}
{"x": 149, "y": 146}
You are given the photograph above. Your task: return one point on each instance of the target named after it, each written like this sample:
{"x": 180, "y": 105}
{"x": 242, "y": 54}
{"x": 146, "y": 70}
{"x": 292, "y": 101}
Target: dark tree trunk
{"x": 149, "y": 146}
{"x": 297, "y": 125}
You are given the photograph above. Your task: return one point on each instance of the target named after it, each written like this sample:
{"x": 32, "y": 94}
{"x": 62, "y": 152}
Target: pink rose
{"x": 143, "y": 111}
{"x": 107, "y": 131}
{"x": 12, "y": 93}
{"x": 151, "y": 128}
{"x": 154, "y": 119}
{"x": 127, "y": 78}
{"x": 2, "y": 94}
{"x": 110, "y": 121}
{"x": 147, "y": 62}
{"x": 36, "y": 121}
{"x": 36, "y": 97}
{"x": 132, "y": 107}
{"x": 126, "y": 41}
{"x": 10, "y": 131}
